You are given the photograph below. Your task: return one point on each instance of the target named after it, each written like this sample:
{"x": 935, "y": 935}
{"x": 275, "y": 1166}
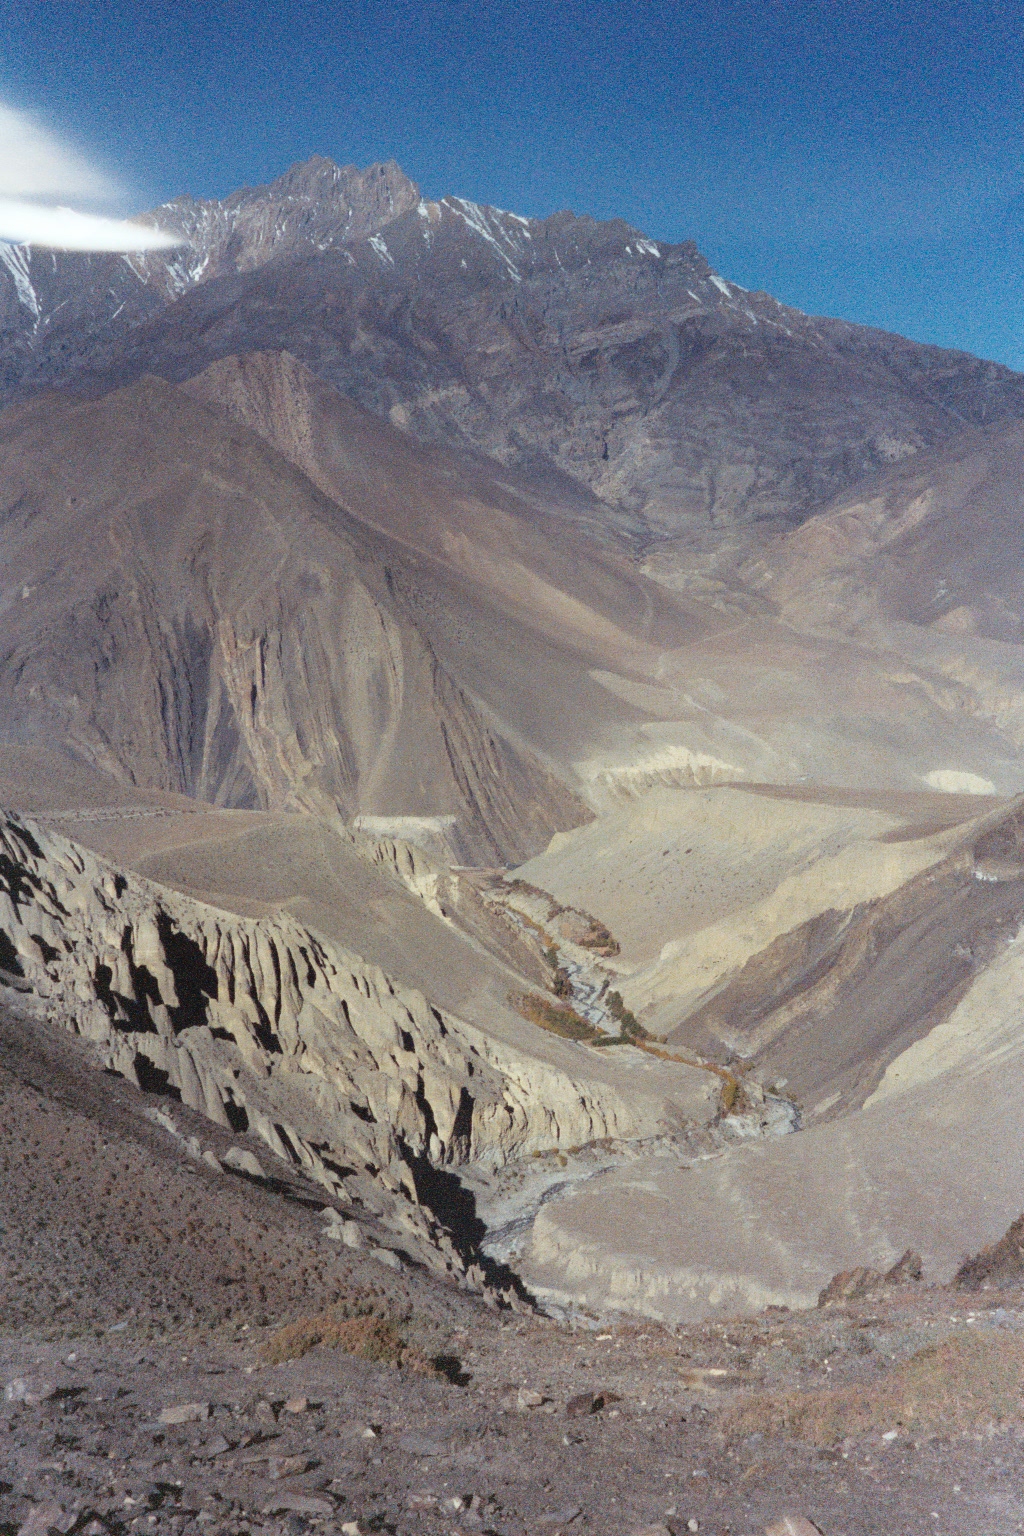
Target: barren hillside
{"x": 511, "y": 773}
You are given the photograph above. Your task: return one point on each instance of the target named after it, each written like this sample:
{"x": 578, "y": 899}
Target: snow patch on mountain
{"x": 15, "y": 259}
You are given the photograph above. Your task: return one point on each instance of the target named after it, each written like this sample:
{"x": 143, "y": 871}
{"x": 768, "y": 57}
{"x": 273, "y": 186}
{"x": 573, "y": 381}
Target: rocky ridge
{"x": 560, "y": 344}
{"x": 267, "y": 1028}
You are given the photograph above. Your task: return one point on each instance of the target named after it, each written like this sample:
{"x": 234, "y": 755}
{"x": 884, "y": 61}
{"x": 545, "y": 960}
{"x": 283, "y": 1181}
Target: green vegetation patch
{"x": 557, "y": 1018}
{"x": 629, "y": 1025}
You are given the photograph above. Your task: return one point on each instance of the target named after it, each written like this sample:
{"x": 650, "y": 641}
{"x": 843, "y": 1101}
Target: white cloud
{"x": 32, "y": 224}
{"x": 34, "y": 164}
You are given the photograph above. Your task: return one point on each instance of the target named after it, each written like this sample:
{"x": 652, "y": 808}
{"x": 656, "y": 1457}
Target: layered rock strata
{"x": 265, "y": 1027}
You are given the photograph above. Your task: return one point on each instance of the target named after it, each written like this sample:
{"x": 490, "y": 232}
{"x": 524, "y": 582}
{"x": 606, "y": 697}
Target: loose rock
{"x": 185, "y": 1413}
{"x": 289, "y": 1466}
{"x": 215, "y": 1447}
{"x": 243, "y": 1161}
{"x": 45, "y": 1518}
{"x": 30, "y": 1390}
{"x": 299, "y": 1504}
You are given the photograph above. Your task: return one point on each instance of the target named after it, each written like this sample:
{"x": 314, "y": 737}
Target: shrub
{"x": 629, "y": 1025}
{"x": 557, "y": 1018}
{"x": 730, "y": 1096}
{"x": 598, "y": 937}
{"x": 367, "y": 1338}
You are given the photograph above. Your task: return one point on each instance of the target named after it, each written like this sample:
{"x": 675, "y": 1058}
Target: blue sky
{"x": 861, "y": 160}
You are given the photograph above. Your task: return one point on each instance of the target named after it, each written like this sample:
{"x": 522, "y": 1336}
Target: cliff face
{"x": 266, "y": 1027}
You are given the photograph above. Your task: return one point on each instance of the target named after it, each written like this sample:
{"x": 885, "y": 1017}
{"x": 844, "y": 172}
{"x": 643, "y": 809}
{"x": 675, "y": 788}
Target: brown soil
{"x": 134, "y": 1279}
{"x": 1000, "y": 1265}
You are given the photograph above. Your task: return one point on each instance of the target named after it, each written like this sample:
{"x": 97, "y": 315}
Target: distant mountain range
{"x": 682, "y": 401}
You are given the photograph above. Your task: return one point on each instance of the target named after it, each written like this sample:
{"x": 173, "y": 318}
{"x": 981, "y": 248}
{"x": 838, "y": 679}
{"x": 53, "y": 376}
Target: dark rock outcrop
{"x": 682, "y": 400}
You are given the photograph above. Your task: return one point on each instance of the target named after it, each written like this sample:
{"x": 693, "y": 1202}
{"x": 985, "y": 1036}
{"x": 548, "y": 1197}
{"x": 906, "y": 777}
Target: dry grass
{"x": 733, "y": 1100}
{"x": 378, "y": 1339}
{"x": 965, "y": 1383}
{"x": 555, "y": 1017}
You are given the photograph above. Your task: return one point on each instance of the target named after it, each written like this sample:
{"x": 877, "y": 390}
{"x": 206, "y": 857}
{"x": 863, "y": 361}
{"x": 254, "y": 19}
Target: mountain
{"x": 193, "y": 614}
{"x": 251, "y": 590}
{"x": 485, "y": 700}
{"x": 681, "y": 400}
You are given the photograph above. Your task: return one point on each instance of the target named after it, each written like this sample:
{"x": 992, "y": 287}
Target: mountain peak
{"x": 373, "y": 196}
{"x": 315, "y": 204}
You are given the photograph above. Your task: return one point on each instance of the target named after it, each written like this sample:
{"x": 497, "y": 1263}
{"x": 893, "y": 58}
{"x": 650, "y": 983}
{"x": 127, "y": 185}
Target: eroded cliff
{"x": 264, "y": 1026}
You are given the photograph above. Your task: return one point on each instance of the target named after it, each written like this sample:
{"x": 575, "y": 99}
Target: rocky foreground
{"x": 193, "y": 1347}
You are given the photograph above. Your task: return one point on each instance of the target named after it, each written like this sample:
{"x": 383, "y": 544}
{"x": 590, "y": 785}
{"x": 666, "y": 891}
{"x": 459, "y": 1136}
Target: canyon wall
{"x": 265, "y": 1027}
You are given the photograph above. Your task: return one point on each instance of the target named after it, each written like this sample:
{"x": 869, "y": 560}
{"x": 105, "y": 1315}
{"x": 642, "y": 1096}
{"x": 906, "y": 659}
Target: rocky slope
{"x": 933, "y": 545}
{"x": 372, "y": 538}
{"x": 560, "y": 344}
{"x": 236, "y": 636}
{"x": 266, "y": 1027}
{"x": 137, "y": 1392}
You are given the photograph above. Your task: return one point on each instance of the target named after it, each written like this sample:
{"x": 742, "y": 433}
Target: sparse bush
{"x": 561, "y": 986}
{"x": 599, "y": 938}
{"x": 963, "y": 1384}
{"x": 557, "y": 1018}
{"x": 378, "y": 1339}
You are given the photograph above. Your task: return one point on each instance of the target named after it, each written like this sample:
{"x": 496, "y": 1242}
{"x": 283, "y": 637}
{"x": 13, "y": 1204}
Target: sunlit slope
{"x": 666, "y": 865}
{"x": 186, "y": 610}
{"x": 897, "y": 1024}
{"x": 811, "y": 935}
{"x": 706, "y": 697}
